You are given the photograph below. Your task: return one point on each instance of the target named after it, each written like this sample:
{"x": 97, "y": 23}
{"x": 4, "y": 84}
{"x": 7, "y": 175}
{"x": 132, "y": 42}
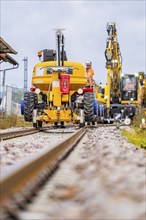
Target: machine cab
{"x": 129, "y": 87}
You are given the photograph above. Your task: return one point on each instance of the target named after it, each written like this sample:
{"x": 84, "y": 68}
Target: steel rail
{"x": 24, "y": 132}
{"x": 18, "y": 133}
{"x": 25, "y": 172}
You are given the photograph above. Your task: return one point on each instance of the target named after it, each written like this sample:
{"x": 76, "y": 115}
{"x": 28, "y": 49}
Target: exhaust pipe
{"x": 58, "y": 45}
{"x": 62, "y": 50}
{"x": 59, "y": 40}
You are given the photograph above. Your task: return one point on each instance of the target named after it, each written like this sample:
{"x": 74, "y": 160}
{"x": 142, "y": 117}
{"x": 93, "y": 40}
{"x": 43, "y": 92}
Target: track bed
{"x": 103, "y": 178}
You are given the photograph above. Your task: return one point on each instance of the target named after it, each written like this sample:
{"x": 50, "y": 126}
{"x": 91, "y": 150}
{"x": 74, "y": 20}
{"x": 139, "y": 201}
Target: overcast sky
{"x": 27, "y": 27}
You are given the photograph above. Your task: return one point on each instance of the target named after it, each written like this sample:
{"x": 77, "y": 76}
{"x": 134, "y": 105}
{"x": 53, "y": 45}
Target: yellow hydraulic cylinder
{"x": 56, "y": 90}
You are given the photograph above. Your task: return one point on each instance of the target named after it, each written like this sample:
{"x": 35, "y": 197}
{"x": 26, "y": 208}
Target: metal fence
{"x": 10, "y": 100}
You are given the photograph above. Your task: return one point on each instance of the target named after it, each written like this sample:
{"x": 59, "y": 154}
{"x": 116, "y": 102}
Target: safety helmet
{"x": 88, "y": 63}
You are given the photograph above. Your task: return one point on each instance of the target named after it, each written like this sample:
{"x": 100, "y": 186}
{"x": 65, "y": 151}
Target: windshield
{"x": 129, "y": 83}
{"x": 51, "y": 69}
{"x": 39, "y": 71}
{"x": 129, "y": 87}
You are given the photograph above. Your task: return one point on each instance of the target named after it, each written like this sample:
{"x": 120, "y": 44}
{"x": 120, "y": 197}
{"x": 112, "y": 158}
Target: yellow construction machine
{"x": 119, "y": 98}
{"x": 59, "y": 92}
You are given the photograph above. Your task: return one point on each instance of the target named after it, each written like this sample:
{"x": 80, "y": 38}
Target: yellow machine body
{"x": 58, "y": 108}
{"x": 43, "y": 81}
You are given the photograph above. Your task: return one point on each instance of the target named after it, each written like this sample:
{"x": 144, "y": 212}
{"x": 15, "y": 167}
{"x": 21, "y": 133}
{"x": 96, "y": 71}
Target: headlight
{"x": 37, "y": 91}
{"x": 80, "y": 91}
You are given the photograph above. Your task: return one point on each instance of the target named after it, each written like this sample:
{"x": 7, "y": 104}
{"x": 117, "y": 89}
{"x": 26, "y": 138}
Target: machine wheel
{"x": 30, "y": 103}
{"x": 89, "y": 107}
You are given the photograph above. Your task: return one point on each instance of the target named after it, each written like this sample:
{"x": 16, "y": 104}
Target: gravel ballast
{"x": 104, "y": 178}
{"x": 14, "y": 150}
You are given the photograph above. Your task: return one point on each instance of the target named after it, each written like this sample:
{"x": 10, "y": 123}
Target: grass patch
{"x": 135, "y": 135}
{"x": 9, "y": 121}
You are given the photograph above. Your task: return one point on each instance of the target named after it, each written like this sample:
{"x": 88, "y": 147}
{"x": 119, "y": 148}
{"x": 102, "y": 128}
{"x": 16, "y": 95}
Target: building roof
{"x": 7, "y": 58}
{"x": 5, "y": 47}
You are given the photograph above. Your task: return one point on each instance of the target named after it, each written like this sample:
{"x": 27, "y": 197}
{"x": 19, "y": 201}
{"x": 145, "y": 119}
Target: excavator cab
{"x": 129, "y": 87}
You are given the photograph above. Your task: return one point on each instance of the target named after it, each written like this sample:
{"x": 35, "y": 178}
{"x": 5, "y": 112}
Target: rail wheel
{"x": 62, "y": 124}
{"x": 89, "y": 107}
{"x": 81, "y": 125}
{"x": 30, "y": 103}
{"x": 39, "y": 124}
{"x": 56, "y": 123}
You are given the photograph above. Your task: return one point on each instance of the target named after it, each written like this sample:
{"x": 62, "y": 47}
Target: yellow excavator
{"x": 123, "y": 93}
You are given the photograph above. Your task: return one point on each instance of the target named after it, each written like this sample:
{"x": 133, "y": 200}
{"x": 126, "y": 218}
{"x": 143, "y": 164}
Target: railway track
{"x": 19, "y": 133}
{"x": 48, "y": 129}
{"x": 23, "y": 181}
{"x": 28, "y": 131}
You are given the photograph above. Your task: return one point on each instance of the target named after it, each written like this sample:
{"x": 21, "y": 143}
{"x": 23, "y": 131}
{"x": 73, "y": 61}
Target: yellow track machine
{"x": 123, "y": 93}
{"x": 59, "y": 94}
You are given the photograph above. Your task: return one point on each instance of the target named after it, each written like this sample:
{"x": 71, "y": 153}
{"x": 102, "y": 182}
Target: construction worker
{"x": 89, "y": 73}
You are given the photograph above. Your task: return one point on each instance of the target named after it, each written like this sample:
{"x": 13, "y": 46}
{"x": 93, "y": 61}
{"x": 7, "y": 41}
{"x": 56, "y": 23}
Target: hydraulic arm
{"x": 113, "y": 65}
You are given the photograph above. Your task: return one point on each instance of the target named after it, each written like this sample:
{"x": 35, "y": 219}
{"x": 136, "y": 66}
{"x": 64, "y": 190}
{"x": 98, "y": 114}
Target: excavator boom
{"x": 113, "y": 64}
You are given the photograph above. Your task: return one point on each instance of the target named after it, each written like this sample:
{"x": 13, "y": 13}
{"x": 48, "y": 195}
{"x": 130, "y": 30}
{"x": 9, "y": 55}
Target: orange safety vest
{"x": 89, "y": 75}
